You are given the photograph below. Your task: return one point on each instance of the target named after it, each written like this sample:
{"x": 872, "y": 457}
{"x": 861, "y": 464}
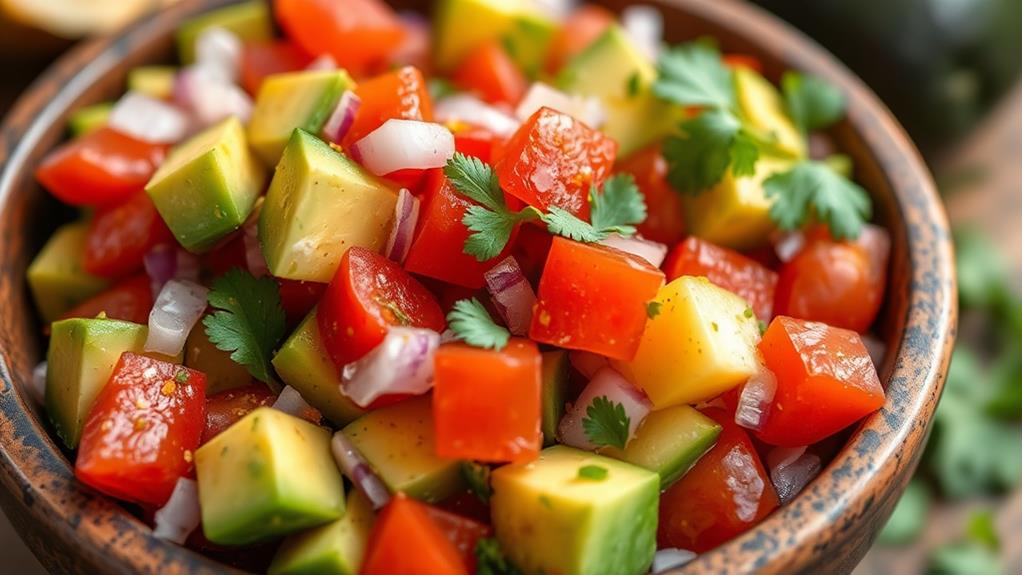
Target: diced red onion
{"x": 219, "y": 50}
{"x": 588, "y": 363}
{"x": 448, "y": 336}
{"x": 876, "y": 348}
{"x": 324, "y": 63}
{"x": 353, "y": 465}
{"x": 405, "y": 144}
{"x": 612, "y": 385}
{"x": 512, "y": 294}
{"x": 209, "y": 97}
{"x": 755, "y": 399}
{"x": 471, "y": 110}
{"x": 181, "y": 515}
{"x": 291, "y": 402}
{"x": 175, "y": 312}
{"x": 645, "y": 25}
{"x": 403, "y": 363}
{"x": 789, "y": 244}
{"x": 652, "y": 252}
{"x": 343, "y": 116}
{"x": 588, "y": 110}
{"x": 784, "y": 456}
{"x": 254, "y": 259}
{"x": 666, "y": 559}
{"x": 148, "y": 119}
{"x": 406, "y": 217}
{"x": 166, "y": 262}
{"x": 37, "y": 385}
{"x": 791, "y": 469}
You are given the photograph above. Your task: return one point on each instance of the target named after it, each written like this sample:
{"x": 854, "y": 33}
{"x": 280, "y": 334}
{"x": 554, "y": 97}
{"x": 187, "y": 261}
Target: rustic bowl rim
{"x": 860, "y": 485}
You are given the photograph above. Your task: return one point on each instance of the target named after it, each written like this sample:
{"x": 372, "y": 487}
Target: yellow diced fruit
{"x": 764, "y": 110}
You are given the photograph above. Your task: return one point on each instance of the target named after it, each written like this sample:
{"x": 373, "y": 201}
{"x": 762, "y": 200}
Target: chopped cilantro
{"x": 477, "y": 476}
{"x": 653, "y": 309}
{"x": 440, "y": 88}
{"x": 812, "y": 103}
{"x": 490, "y": 559}
{"x": 606, "y": 423}
{"x": 749, "y": 313}
{"x": 709, "y": 143}
{"x": 618, "y": 207}
{"x": 694, "y": 74}
{"x": 472, "y": 324}
{"x": 634, "y": 85}
{"x": 181, "y": 376}
{"x": 813, "y": 190}
{"x": 592, "y": 472}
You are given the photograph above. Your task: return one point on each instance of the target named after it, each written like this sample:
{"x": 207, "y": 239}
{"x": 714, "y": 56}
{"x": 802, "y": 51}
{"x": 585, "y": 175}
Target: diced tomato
{"x": 577, "y": 32}
{"x": 227, "y": 407}
{"x": 142, "y": 430}
{"x": 360, "y": 35}
{"x": 467, "y": 504}
{"x": 369, "y": 294}
{"x": 531, "y": 249}
{"x": 727, "y": 269}
{"x": 743, "y": 61}
{"x": 438, "y": 250}
{"x": 666, "y": 221}
{"x": 462, "y": 532}
{"x": 554, "y": 160}
{"x": 725, "y": 494}
{"x": 130, "y": 300}
{"x": 486, "y": 403}
{"x": 298, "y": 298}
{"x": 492, "y": 74}
{"x": 826, "y": 381}
{"x": 400, "y": 94}
{"x": 227, "y": 255}
{"x": 475, "y": 142}
{"x": 410, "y": 178}
{"x": 119, "y": 237}
{"x": 837, "y": 283}
{"x": 593, "y": 298}
{"x": 405, "y": 541}
{"x": 100, "y": 168}
{"x": 262, "y": 59}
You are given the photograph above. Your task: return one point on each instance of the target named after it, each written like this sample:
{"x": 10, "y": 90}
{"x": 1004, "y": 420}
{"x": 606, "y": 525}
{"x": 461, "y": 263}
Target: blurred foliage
{"x": 975, "y": 554}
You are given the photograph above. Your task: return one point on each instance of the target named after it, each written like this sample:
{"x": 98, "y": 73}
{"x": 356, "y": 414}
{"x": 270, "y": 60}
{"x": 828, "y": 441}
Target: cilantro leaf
{"x": 476, "y": 181}
{"x": 490, "y": 559}
{"x": 491, "y": 231}
{"x": 477, "y": 476}
{"x": 709, "y": 143}
{"x": 606, "y": 423}
{"x": 472, "y": 324}
{"x": 592, "y": 472}
{"x": 561, "y": 222}
{"x": 250, "y": 320}
{"x": 812, "y": 103}
{"x": 694, "y": 74}
{"x": 653, "y": 309}
{"x": 812, "y": 189}
{"x": 619, "y": 207}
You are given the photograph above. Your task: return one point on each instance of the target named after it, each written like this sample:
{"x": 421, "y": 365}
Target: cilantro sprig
{"x": 477, "y": 476}
{"x": 812, "y": 103}
{"x": 708, "y": 145}
{"x": 472, "y": 324}
{"x": 606, "y": 423}
{"x": 694, "y": 74}
{"x": 812, "y": 190}
{"x": 490, "y": 559}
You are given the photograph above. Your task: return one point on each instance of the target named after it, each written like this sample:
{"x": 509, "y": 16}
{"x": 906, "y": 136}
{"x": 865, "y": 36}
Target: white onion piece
{"x": 471, "y": 110}
{"x": 175, "y": 312}
{"x": 876, "y": 348}
{"x": 588, "y": 363}
{"x": 291, "y": 402}
{"x": 219, "y": 50}
{"x": 37, "y": 385}
{"x": 589, "y": 110}
{"x": 254, "y": 259}
{"x": 403, "y": 363}
{"x": 784, "y": 456}
{"x": 448, "y": 336}
{"x": 652, "y": 252}
{"x": 512, "y": 294}
{"x": 406, "y": 217}
{"x": 789, "y": 245}
{"x": 209, "y": 98}
{"x": 755, "y": 399}
{"x": 166, "y": 262}
{"x": 181, "y": 514}
{"x": 645, "y": 25}
{"x": 791, "y": 471}
{"x": 612, "y": 385}
{"x": 148, "y": 119}
{"x": 324, "y": 63}
{"x": 341, "y": 119}
{"x": 405, "y": 144}
{"x": 352, "y": 464}
{"x": 667, "y": 559}
{"x": 556, "y": 9}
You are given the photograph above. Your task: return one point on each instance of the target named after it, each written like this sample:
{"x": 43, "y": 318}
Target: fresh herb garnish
{"x": 653, "y": 309}
{"x": 249, "y": 321}
{"x": 490, "y": 559}
{"x": 606, "y": 423}
{"x": 592, "y": 472}
{"x": 472, "y": 324}
{"x": 709, "y": 144}
{"x": 618, "y": 208}
{"x": 181, "y": 376}
{"x": 477, "y": 476}
{"x": 812, "y": 103}
{"x": 694, "y": 74}
{"x": 634, "y": 85}
{"x": 813, "y": 190}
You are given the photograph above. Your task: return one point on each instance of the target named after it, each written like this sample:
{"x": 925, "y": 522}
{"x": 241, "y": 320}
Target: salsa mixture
{"x": 517, "y": 289}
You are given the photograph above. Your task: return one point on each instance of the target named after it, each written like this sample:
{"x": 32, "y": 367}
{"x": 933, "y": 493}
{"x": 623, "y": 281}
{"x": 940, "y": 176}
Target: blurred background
{"x": 950, "y": 71}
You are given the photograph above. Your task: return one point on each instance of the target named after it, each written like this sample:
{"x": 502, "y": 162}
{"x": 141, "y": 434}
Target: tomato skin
{"x": 727, "y": 269}
{"x": 666, "y": 220}
{"x": 579, "y": 30}
{"x": 400, "y": 94}
{"x": 462, "y": 532}
{"x": 403, "y": 526}
{"x": 130, "y": 300}
{"x": 475, "y": 142}
{"x": 119, "y": 237}
{"x": 553, "y": 160}
{"x": 826, "y": 381}
{"x": 531, "y": 249}
{"x": 593, "y": 298}
{"x": 224, "y": 409}
{"x": 838, "y": 283}
{"x": 298, "y": 298}
{"x": 142, "y": 429}
{"x": 743, "y": 61}
{"x": 368, "y": 294}
{"x": 710, "y": 505}
{"x": 492, "y": 74}
{"x": 101, "y": 168}
{"x": 262, "y": 59}
{"x": 486, "y": 403}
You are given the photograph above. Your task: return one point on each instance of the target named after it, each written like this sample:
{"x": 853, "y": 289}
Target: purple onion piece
{"x": 612, "y": 385}
{"x": 652, "y": 252}
{"x": 512, "y": 293}
{"x": 406, "y": 218}
{"x": 755, "y": 399}
{"x": 405, "y": 145}
{"x": 790, "y": 474}
{"x": 175, "y": 312}
{"x": 353, "y": 465}
{"x": 291, "y": 402}
{"x": 254, "y": 259}
{"x": 402, "y": 363}
{"x": 341, "y": 119}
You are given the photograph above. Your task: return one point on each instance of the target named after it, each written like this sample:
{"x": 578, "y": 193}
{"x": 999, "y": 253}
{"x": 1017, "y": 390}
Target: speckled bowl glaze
{"x": 826, "y": 529}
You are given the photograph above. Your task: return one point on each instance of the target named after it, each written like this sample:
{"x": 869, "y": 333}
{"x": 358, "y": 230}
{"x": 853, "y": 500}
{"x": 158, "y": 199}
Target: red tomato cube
{"x": 262, "y": 59}
{"x": 666, "y": 220}
{"x": 489, "y": 72}
{"x": 727, "y": 269}
{"x": 224, "y": 409}
{"x": 405, "y": 541}
{"x": 826, "y": 381}
{"x": 130, "y": 300}
{"x": 593, "y": 298}
{"x": 401, "y": 94}
{"x": 462, "y": 532}
{"x": 474, "y": 142}
{"x": 142, "y": 430}
{"x": 554, "y": 160}
{"x": 119, "y": 237}
{"x": 486, "y": 403}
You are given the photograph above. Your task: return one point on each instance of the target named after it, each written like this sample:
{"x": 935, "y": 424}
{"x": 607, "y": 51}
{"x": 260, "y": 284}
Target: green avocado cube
{"x": 153, "y": 81}
{"x": 321, "y": 203}
{"x": 208, "y": 186}
{"x": 294, "y": 100}
{"x": 554, "y": 392}
{"x": 399, "y": 444}
{"x": 336, "y": 548}
{"x": 303, "y": 363}
{"x": 269, "y": 474}
{"x": 250, "y": 21}
{"x": 524, "y": 32}
{"x": 222, "y": 372}
{"x": 89, "y": 119}
{"x": 572, "y": 512}
{"x": 80, "y": 360}
{"x": 56, "y": 277}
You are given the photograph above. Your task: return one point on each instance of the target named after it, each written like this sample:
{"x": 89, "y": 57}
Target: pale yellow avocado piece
{"x": 153, "y": 81}
{"x": 320, "y": 204}
{"x": 56, "y": 277}
{"x": 460, "y": 26}
{"x": 336, "y": 548}
{"x": 761, "y": 105}
{"x": 701, "y": 344}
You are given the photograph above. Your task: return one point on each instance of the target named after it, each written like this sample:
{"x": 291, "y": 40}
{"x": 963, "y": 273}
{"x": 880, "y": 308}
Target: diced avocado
{"x": 303, "y": 363}
{"x": 320, "y": 204}
{"x": 527, "y": 41}
{"x": 81, "y": 357}
{"x": 208, "y": 185}
{"x": 222, "y": 372}
{"x": 336, "y": 548}
{"x": 736, "y": 212}
{"x": 56, "y": 277}
{"x": 555, "y": 382}
{"x": 550, "y": 517}
{"x": 269, "y": 474}
{"x": 613, "y": 69}
{"x": 761, "y": 104}
{"x": 295, "y": 100}
{"x": 89, "y": 119}
{"x": 398, "y": 442}
{"x": 250, "y": 21}
{"x": 669, "y": 441}
{"x": 525, "y": 33}
{"x": 153, "y": 81}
